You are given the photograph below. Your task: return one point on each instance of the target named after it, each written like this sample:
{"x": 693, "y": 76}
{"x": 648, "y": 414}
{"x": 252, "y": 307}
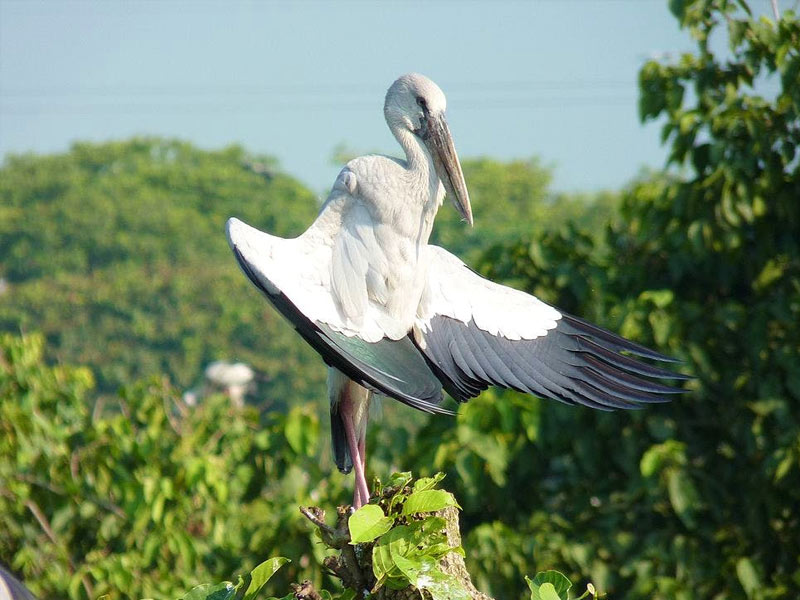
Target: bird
{"x": 392, "y": 314}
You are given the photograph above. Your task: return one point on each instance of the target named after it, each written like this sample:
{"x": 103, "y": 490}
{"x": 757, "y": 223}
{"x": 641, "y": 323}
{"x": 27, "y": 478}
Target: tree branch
{"x": 45, "y": 525}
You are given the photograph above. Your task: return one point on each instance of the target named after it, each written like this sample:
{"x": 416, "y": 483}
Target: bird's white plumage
{"x": 295, "y": 267}
{"x": 454, "y": 290}
{"x": 359, "y": 267}
{"x": 364, "y": 266}
{"x": 362, "y": 277}
{"x": 348, "y": 282}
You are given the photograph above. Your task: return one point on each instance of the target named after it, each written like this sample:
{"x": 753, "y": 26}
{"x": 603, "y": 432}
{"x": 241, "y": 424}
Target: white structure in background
{"x": 232, "y": 379}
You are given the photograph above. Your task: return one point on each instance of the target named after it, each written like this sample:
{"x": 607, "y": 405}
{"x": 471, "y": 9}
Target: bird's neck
{"x": 417, "y": 154}
{"x": 420, "y": 166}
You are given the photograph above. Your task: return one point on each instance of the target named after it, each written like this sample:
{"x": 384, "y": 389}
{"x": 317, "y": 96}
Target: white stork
{"x": 393, "y": 315}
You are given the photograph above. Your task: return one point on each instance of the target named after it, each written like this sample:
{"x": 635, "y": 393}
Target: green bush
{"x": 117, "y": 253}
{"x": 140, "y": 495}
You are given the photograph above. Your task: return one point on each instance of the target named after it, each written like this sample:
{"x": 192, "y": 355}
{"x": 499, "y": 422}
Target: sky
{"x": 555, "y": 79}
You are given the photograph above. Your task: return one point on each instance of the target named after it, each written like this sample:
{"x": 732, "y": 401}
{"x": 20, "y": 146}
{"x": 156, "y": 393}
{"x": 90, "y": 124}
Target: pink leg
{"x": 362, "y": 451}
{"x": 361, "y": 493}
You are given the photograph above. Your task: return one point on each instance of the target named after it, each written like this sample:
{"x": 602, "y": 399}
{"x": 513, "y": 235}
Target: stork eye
{"x": 422, "y": 103}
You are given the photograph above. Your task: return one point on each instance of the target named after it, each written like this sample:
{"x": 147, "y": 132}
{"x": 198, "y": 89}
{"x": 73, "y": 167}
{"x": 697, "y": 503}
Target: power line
{"x": 201, "y": 89}
{"x": 262, "y": 108}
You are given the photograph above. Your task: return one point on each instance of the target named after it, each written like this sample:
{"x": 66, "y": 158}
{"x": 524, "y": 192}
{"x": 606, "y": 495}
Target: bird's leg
{"x": 361, "y": 492}
{"x": 362, "y": 443}
{"x": 362, "y": 455}
{"x": 362, "y": 451}
{"x": 357, "y": 500}
{"x": 361, "y": 480}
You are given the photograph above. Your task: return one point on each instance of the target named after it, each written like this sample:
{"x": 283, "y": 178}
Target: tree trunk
{"x": 353, "y": 563}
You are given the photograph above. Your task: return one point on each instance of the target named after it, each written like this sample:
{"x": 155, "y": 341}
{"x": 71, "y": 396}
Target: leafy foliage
{"x": 140, "y": 496}
{"x": 248, "y": 587}
{"x": 407, "y": 555}
{"x": 116, "y": 252}
{"x": 512, "y": 200}
{"x": 394, "y": 547}
{"x": 408, "y": 539}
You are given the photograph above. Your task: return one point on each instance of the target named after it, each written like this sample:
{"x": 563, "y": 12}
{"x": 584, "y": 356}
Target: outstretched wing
{"x": 475, "y": 333}
{"x": 293, "y": 275}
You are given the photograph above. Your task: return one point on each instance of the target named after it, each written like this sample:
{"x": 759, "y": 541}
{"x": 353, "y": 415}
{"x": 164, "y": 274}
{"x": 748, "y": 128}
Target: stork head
{"x": 416, "y": 104}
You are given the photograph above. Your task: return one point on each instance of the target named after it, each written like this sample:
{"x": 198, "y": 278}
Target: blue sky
{"x": 554, "y": 79}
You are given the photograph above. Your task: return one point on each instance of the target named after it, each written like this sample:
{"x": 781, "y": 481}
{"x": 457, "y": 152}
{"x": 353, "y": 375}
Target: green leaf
{"x": 682, "y": 495}
{"x": 736, "y": 32}
{"x": 383, "y": 566}
{"x": 678, "y": 8}
{"x": 427, "y": 483}
{"x": 208, "y": 591}
{"x": 428, "y": 501}
{"x": 302, "y": 431}
{"x": 549, "y": 585}
{"x": 400, "y": 541}
{"x": 260, "y": 576}
{"x": 784, "y": 466}
{"x": 661, "y": 323}
{"x": 660, "y": 298}
{"x": 773, "y": 270}
{"x": 431, "y": 525}
{"x": 748, "y": 576}
{"x": 548, "y": 592}
{"x": 400, "y": 545}
{"x": 425, "y": 574}
{"x": 409, "y": 567}
{"x": 400, "y": 479}
{"x": 367, "y": 523}
{"x": 659, "y": 456}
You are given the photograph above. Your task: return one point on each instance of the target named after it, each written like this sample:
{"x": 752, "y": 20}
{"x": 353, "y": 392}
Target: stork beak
{"x": 445, "y": 160}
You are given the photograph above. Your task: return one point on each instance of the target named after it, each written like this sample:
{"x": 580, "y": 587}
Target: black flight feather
{"x": 575, "y": 362}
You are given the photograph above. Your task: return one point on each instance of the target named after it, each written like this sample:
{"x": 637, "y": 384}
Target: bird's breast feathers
{"x": 377, "y": 276}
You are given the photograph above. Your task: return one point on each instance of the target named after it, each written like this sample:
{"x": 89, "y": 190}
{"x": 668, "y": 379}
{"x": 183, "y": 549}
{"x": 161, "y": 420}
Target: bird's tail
{"x": 341, "y": 451}
{"x": 348, "y": 400}
{"x": 338, "y": 385}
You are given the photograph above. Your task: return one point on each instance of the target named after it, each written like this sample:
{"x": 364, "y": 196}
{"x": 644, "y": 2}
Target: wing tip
{"x": 619, "y": 344}
{"x": 590, "y": 370}
{"x": 233, "y": 228}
